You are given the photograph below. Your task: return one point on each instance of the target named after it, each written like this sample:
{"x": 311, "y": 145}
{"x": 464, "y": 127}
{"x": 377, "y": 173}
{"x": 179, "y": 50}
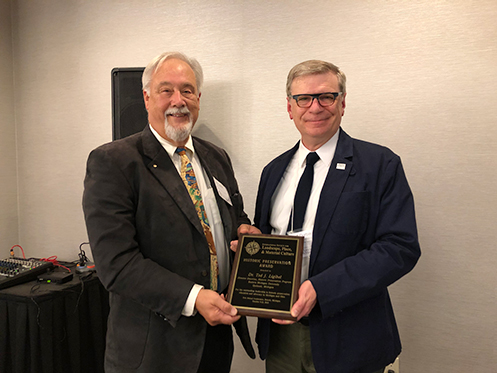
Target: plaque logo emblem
{"x": 252, "y": 248}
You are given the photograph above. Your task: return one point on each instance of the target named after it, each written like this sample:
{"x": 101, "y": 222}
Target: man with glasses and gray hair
{"x": 161, "y": 207}
{"x": 351, "y": 202}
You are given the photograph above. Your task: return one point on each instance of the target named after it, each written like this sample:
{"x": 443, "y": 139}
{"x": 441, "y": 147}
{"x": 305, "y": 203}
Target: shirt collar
{"x": 170, "y": 148}
{"x": 326, "y": 152}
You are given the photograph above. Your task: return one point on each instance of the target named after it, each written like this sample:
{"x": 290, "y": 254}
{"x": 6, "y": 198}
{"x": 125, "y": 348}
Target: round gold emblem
{"x": 252, "y": 248}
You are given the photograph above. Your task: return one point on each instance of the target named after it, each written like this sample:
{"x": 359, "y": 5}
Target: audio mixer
{"x": 14, "y": 271}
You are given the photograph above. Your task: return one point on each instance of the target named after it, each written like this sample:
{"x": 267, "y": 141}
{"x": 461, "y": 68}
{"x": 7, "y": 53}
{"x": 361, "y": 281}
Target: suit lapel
{"x": 332, "y": 189}
{"x": 211, "y": 170}
{"x": 162, "y": 167}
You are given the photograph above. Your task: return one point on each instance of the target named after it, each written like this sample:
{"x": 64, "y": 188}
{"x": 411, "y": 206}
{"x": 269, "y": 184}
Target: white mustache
{"x": 173, "y": 111}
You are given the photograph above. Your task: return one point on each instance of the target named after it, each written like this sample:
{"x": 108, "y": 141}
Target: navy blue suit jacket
{"x": 364, "y": 239}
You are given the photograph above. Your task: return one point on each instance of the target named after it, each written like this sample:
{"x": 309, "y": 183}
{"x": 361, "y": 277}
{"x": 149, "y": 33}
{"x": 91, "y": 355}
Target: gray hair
{"x": 159, "y": 60}
{"x": 315, "y": 67}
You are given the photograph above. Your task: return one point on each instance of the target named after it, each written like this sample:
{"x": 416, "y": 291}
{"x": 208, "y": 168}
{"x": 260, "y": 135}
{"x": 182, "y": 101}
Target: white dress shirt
{"x": 282, "y": 200}
{"x": 212, "y": 211}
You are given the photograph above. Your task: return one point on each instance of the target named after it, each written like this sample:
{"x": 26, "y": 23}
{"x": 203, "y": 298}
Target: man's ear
{"x": 146, "y": 98}
{"x": 289, "y": 107}
{"x": 343, "y": 103}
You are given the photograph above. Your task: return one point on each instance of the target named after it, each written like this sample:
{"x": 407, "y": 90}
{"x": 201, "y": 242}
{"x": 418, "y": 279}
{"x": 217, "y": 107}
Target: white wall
{"x": 8, "y": 175}
{"x": 422, "y": 81}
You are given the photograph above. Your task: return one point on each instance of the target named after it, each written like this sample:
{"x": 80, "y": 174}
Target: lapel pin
{"x": 341, "y": 166}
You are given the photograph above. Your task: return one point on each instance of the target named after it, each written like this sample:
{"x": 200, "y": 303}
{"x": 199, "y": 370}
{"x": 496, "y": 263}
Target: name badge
{"x": 223, "y": 192}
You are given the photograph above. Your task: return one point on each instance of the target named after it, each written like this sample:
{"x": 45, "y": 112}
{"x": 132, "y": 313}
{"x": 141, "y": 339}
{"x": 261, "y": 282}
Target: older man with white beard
{"x": 161, "y": 207}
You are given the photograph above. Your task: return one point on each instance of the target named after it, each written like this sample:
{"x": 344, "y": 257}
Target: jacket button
{"x": 204, "y": 273}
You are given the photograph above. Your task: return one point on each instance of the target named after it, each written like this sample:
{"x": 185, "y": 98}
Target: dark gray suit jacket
{"x": 149, "y": 249}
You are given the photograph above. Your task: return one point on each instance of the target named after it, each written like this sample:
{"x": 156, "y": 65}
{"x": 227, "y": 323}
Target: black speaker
{"x": 129, "y": 115}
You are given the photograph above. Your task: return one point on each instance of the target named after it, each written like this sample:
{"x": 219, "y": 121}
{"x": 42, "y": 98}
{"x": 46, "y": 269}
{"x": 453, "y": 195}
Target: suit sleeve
{"x": 109, "y": 204}
{"x": 382, "y": 254}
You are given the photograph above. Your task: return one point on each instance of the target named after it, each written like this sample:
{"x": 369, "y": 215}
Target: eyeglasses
{"x": 324, "y": 99}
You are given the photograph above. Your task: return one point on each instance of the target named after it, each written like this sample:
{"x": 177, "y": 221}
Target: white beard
{"x": 178, "y": 134}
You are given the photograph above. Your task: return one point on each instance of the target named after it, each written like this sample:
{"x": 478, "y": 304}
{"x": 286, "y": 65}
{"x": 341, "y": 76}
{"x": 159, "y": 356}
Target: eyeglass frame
{"x": 316, "y": 96}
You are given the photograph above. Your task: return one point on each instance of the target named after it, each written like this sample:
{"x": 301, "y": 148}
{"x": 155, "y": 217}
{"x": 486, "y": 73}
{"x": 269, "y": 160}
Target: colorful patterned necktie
{"x": 191, "y": 185}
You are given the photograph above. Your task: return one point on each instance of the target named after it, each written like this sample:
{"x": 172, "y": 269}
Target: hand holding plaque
{"x": 265, "y": 278}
